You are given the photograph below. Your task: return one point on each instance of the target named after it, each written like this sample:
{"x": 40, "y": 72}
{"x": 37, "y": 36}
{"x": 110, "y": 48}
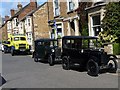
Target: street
{"x": 22, "y": 72}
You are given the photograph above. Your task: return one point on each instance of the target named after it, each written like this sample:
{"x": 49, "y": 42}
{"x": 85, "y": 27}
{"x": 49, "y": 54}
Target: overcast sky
{"x": 6, "y": 5}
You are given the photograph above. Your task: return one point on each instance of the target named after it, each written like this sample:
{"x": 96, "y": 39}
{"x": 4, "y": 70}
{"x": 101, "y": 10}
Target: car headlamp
{"x": 53, "y": 50}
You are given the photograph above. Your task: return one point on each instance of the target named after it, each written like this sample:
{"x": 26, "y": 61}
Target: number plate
{"x": 22, "y": 50}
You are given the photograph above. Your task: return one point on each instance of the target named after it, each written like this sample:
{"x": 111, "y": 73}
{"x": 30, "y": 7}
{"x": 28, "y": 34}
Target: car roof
{"x": 80, "y": 37}
{"x": 45, "y": 39}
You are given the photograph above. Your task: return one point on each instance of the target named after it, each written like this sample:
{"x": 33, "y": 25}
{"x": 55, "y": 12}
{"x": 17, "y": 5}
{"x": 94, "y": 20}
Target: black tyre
{"x": 92, "y": 67}
{"x": 35, "y": 58}
{"x": 5, "y": 51}
{"x": 112, "y": 65}
{"x": 50, "y": 60}
{"x": 12, "y": 52}
{"x": 65, "y": 63}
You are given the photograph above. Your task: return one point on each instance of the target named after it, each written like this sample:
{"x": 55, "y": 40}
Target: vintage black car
{"x": 84, "y": 51}
{"x": 47, "y": 50}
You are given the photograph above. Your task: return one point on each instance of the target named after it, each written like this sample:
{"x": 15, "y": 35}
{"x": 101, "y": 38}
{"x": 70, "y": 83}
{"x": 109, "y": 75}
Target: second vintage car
{"x": 84, "y": 51}
{"x": 47, "y": 50}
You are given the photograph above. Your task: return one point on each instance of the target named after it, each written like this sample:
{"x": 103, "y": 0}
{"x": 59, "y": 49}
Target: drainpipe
{"x": 33, "y": 35}
{"x": 48, "y": 18}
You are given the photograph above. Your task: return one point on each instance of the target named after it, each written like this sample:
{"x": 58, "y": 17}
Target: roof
{"x": 80, "y": 37}
{"x": 19, "y": 12}
{"x": 30, "y": 13}
{"x": 45, "y": 39}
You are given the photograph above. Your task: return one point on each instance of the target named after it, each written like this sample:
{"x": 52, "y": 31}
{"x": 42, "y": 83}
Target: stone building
{"x": 95, "y": 16}
{"x": 64, "y": 17}
{"x": 40, "y": 22}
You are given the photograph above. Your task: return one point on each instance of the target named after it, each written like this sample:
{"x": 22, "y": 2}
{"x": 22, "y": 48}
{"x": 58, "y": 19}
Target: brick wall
{"x": 40, "y": 21}
{"x": 3, "y": 32}
{"x": 27, "y": 9}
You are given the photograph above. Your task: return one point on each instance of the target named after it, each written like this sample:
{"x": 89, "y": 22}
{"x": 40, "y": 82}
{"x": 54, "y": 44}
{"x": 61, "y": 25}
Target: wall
{"x": 40, "y": 19}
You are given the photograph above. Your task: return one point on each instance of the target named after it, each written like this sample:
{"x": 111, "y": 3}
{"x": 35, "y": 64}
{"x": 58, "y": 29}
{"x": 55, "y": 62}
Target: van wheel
{"x": 65, "y": 63}
{"x": 92, "y": 67}
{"x": 5, "y": 51}
{"x": 12, "y": 52}
{"x": 112, "y": 65}
{"x": 50, "y": 60}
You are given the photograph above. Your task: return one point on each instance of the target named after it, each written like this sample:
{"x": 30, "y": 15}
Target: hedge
{"x": 116, "y": 48}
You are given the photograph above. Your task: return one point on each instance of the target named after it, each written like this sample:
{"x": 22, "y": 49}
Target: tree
{"x": 83, "y": 25}
{"x": 111, "y": 23}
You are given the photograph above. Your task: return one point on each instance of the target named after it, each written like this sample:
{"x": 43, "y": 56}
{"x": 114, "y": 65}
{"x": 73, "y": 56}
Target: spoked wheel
{"x": 112, "y": 65}
{"x": 65, "y": 63}
{"x": 92, "y": 68}
{"x": 35, "y": 59}
{"x": 51, "y": 60}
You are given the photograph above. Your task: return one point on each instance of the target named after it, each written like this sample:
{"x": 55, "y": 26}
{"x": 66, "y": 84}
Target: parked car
{"x": 47, "y": 50}
{"x": 7, "y": 46}
{"x": 84, "y": 50}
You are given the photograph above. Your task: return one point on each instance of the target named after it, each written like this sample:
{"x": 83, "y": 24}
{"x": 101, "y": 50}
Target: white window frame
{"x": 29, "y": 21}
{"x": 94, "y": 26}
{"x": 76, "y": 5}
{"x": 54, "y": 8}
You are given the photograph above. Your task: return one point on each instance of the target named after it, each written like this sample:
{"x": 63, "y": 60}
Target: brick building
{"x": 3, "y": 29}
{"x": 14, "y": 24}
{"x": 40, "y": 22}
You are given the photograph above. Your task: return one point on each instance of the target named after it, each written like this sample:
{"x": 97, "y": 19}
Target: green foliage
{"x": 116, "y": 48}
{"x": 111, "y": 23}
{"x": 85, "y": 30}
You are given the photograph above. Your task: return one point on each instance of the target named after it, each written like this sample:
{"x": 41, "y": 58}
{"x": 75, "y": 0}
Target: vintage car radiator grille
{"x": 22, "y": 46}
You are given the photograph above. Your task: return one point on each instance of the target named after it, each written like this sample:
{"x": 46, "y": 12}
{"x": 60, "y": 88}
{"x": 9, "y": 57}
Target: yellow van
{"x": 19, "y": 44}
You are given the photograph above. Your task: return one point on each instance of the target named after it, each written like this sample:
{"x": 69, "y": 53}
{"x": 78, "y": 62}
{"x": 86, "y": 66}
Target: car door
{"x": 40, "y": 50}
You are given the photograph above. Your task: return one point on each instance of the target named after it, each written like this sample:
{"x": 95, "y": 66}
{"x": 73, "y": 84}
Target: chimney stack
{"x": 12, "y": 12}
{"x": 6, "y": 18}
{"x": 19, "y": 6}
{"x": 33, "y": 4}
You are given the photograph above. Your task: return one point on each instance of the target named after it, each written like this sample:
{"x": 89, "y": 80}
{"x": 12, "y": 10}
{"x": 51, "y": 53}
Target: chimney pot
{"x": 19, "y": 6}
{"x": 6, "y": 18}
{"x": 12, "y": 12}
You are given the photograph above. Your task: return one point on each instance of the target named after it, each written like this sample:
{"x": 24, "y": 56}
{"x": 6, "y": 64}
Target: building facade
{"x": 65, "y": 17}
{"x": 95, "y": 16}
{"x": 40, "y": 22}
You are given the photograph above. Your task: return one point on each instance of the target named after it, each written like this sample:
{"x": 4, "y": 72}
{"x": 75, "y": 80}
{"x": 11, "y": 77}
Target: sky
{"x": 7, "y": 5}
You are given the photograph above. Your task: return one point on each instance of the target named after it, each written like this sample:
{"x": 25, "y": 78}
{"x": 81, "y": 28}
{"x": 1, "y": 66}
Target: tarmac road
{"x": 22, "y": 72}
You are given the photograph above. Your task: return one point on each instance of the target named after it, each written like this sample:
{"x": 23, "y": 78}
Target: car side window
{"x": 78, "y": 43}
{"x": 40, "y": 43}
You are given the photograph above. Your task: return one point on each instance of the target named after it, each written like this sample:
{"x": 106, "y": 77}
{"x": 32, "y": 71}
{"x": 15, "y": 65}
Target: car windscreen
{"x": 19, "y": 38}
{"x": 53, "y": 43}
{"x": 22, "y": 38}
{"x": 8, "y": 42}
{"x": 16, "y": 38}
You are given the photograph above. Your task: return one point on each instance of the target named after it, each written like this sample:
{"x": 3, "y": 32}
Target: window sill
{"x": 70, "y": 11}
{"x": 56, "y": 16}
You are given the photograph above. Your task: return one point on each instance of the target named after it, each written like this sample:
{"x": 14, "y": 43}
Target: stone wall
{"x": 40, "y": 21}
